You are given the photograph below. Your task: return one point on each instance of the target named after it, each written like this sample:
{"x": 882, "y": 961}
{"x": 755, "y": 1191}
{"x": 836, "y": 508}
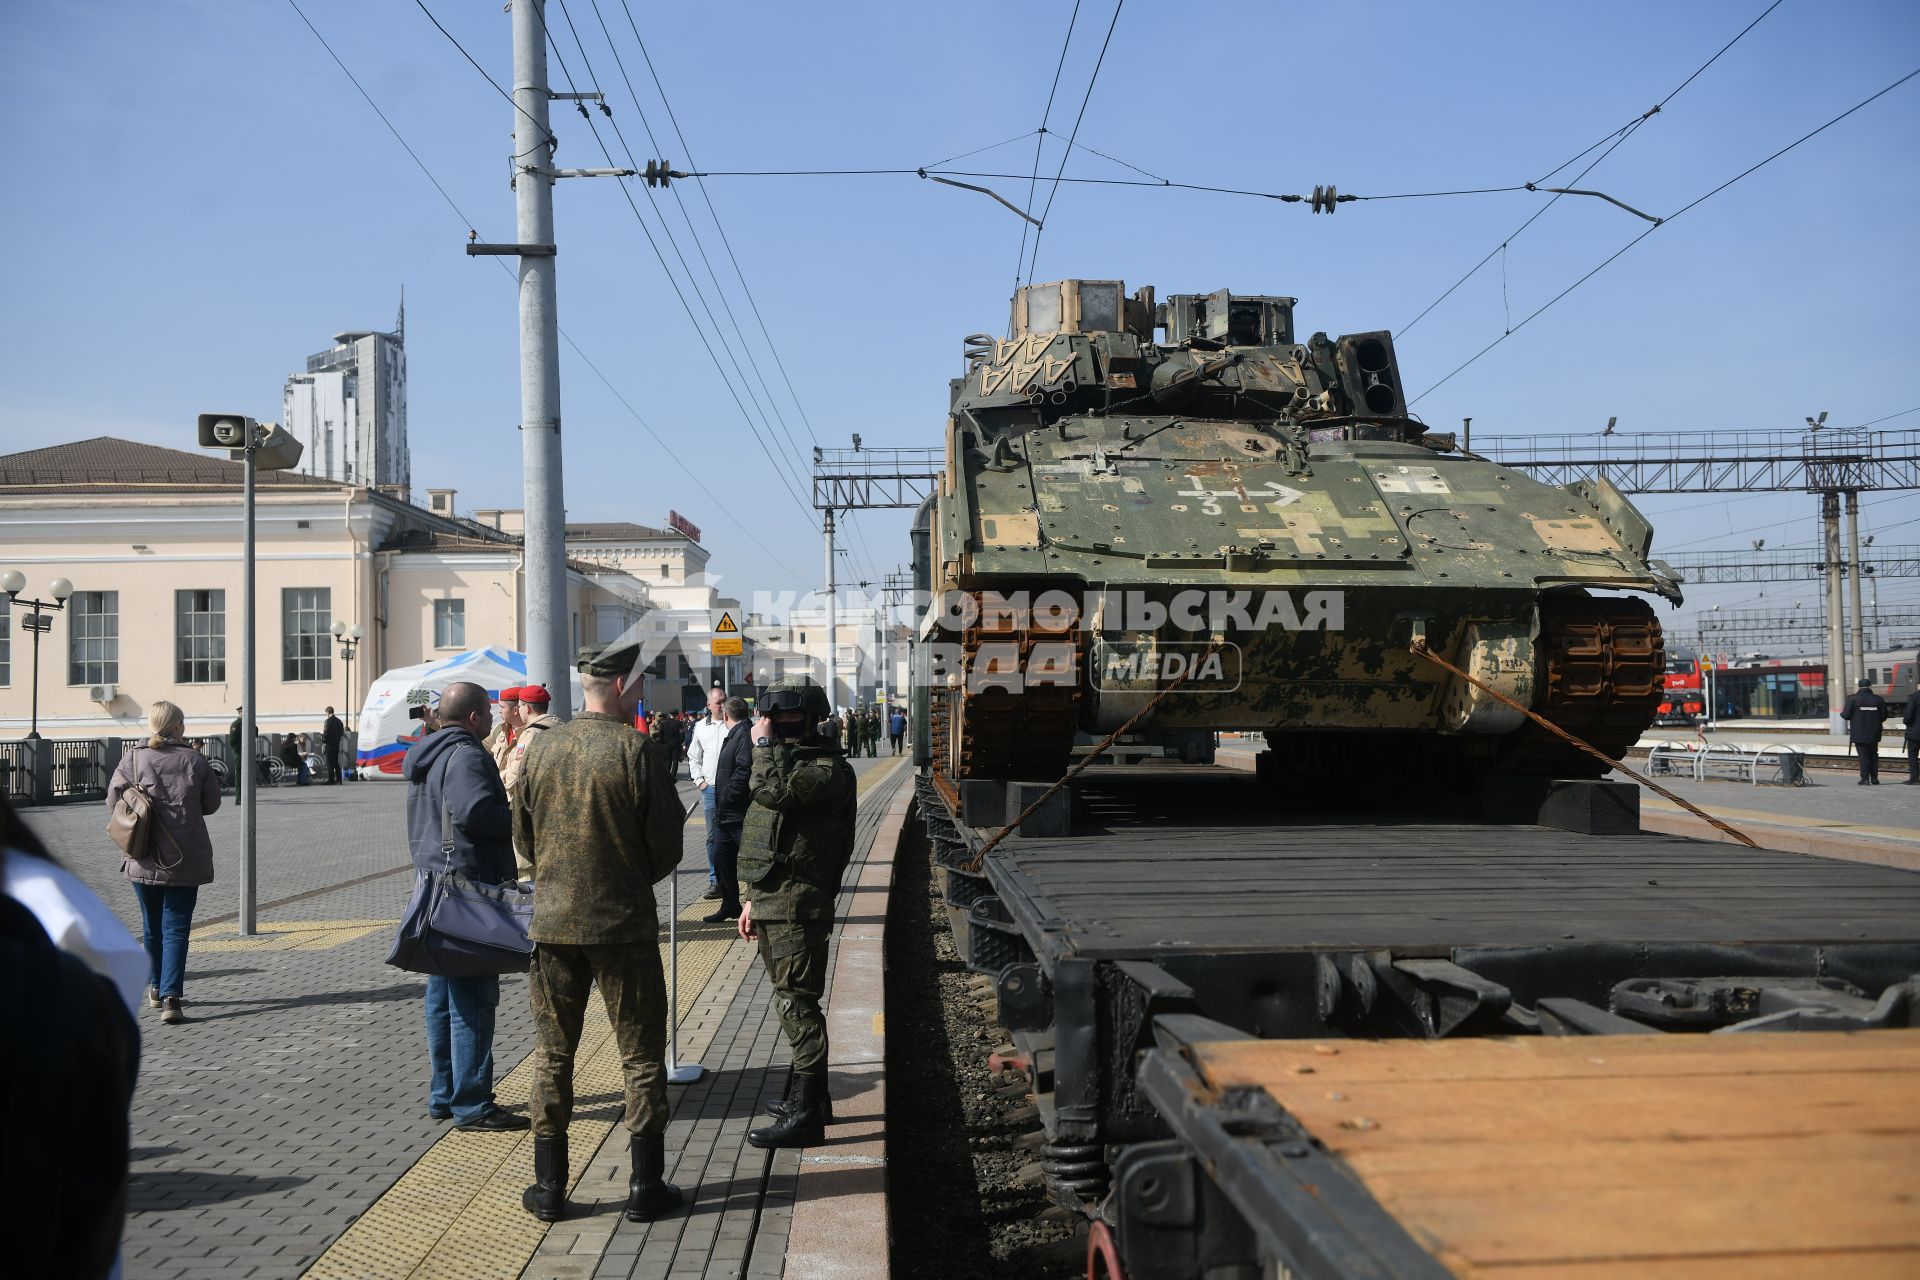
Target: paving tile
{"x": 294, "y": 1094}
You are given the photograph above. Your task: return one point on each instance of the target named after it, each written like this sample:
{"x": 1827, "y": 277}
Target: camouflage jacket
{"x": 798, "y": 835}
{"x": 600, "y": 820}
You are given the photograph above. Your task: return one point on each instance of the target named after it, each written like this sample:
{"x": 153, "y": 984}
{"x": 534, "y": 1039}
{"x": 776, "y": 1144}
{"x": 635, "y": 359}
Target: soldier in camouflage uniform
{"x": 794, "y": 848}
{"x": 600, "y": 819}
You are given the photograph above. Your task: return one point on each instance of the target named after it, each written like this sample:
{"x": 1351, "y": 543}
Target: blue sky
{"x": 209, "y": 199}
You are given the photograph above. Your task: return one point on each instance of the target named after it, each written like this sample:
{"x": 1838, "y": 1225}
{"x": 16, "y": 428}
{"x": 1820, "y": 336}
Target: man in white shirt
{"x": 702, "y": 754}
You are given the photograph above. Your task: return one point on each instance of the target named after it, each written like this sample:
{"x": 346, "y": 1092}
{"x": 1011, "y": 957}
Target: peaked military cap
{"x": 619, "y": 658}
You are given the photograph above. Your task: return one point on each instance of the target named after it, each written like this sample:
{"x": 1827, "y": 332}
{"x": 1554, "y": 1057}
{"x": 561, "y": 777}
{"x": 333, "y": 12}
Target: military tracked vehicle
{"x": 1137, "y": 493}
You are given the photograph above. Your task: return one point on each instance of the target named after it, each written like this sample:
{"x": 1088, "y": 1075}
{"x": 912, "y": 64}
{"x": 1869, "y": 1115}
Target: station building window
{"x": 306, "y": 622}
{"x": 449, "y": 624}
{"x": 93, "y": 638}
{"x": 6, "y": 649}
{"x": 200, "y": 637}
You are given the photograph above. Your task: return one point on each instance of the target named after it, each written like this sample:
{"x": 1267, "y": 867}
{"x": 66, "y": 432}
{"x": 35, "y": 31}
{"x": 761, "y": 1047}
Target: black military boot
{"x": 546, "y": 1199}
{"x": 804, "y": 1124}
{"x": 649, "y": 1195}
{"x": 779, "y": 1107}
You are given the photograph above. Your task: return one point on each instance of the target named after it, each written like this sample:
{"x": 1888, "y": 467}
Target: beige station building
{"x": 150, "y": 539}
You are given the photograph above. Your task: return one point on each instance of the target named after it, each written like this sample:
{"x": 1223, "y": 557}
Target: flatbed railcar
{"x": 1183, "y": 920}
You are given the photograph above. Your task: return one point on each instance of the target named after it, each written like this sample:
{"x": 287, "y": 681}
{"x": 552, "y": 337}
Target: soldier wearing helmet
{"x": 794, "y": 847}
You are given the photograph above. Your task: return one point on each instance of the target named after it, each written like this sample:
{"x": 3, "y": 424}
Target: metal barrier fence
{"x": 1771, "y": 764}
{"x": 16, "y": 772}
{"x": 79, "y": 767}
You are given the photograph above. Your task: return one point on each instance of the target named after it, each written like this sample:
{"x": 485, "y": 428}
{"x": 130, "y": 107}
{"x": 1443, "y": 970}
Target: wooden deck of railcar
{"x": 1623, "y": 1156}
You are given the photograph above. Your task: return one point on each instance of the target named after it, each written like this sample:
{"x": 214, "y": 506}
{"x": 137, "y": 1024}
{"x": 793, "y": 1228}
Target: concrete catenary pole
{"x": 1859, "y": 635}
{"x": 1836, "y": 630}
{"x": 248, "y": 777}
{"x": 546, "y": 554}
{"x": 833, "y": 651}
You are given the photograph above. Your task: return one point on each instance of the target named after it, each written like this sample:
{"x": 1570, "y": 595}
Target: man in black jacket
{"x": 454, "y": 798}
{"x": 1866, "y": 715}
{"x": 731, "y": 771}
{"x": 1913, "y": 738}
{"x": 332, "y": 734}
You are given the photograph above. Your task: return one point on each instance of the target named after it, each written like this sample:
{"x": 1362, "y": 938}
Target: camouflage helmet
{"x": 795, "y": 693}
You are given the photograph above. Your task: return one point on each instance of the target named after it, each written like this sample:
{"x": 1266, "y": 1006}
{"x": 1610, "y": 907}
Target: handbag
{"x": 454, "y": 927}
{"x": 134, "y": 818}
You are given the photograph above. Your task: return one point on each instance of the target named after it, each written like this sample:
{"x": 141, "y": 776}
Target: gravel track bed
{"x": 958, "y": 1204}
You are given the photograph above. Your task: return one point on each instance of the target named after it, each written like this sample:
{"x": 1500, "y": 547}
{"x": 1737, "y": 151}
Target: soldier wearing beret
{"x": 794, "y": 848}
{"x": 533, "y": 720}
{"x": 500, "y": 741}
{"x": 600, "y": 819}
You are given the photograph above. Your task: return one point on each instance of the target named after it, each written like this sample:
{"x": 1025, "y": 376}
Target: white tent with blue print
{"x": 386, "y": 729}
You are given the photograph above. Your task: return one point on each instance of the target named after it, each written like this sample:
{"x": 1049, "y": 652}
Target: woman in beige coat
{"x": 179, "y": 854}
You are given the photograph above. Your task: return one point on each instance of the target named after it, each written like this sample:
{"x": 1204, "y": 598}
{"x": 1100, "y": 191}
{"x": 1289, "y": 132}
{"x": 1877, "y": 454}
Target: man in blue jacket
{"x": 454, "y": 787}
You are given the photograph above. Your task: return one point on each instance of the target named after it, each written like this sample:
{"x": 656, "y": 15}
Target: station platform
{"x": 282, "y": 1131}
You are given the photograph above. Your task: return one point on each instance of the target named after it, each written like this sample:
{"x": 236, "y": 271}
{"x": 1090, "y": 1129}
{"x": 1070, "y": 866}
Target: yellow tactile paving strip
{"x": 286, "y": 935}
{"x": 456, "y": 1214}
{"x": 1762, "y": 817}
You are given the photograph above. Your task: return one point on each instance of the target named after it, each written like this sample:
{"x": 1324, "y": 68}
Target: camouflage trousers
{"x": 795, "y": 954}
{"x": 635, "y": 991}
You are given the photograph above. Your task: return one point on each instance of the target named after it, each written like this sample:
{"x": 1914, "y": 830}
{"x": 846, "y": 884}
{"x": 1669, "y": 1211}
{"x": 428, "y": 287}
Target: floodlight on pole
{"x": 254, "y": 446}
{"x": 349, "y": 638}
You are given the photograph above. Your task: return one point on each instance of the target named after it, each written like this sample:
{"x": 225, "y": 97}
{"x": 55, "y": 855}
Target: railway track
{"x": 1128, "y": 964}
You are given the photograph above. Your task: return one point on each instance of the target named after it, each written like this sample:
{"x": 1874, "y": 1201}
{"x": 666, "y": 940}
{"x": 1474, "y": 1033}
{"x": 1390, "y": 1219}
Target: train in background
{"x": 1682, "y": 702}
{"x": 1762, "y": 686}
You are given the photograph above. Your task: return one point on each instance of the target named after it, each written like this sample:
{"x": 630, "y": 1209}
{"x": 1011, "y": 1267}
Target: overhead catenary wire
{"x": 484, "y": 73}
{"x": 742, "y": 346}
{"x": 724, "y": 508}
{"x": 1615, "y": 138}
{"x": 1889, "y": 418}
{"x": 412, "y": 154}
{"x": 1692, "y": 204}
{"x": 929, "y": 171}
{"x": 699, "y": 331}
{"x": 1039, "y": 142}
{"x": 725, "y": 243}
{"x": 991, "y": 146}
{"x": 1040, "y": 228}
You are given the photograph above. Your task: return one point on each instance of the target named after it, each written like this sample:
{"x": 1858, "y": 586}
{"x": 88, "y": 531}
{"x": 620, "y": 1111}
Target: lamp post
{"x": 13, "y": 582}
{"x": 349, "y": 638}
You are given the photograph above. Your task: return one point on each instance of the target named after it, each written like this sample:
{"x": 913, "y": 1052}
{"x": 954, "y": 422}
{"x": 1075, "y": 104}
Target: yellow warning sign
{"x": 726, "y": 637}
{"x": 725, "y": 625}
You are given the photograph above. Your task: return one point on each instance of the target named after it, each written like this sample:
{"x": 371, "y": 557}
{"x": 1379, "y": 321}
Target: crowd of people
{"x": 587, "y": 811}
{"x": 297, "y": 755}
{"x": 860, "y": 729}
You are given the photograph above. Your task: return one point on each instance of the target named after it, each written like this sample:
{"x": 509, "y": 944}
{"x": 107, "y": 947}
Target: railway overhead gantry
{"x": 1831, "y": 462}
{"x": 860, "y": 479}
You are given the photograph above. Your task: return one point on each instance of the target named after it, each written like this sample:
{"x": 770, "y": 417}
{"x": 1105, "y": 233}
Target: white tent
{"x": 386, "y": 730}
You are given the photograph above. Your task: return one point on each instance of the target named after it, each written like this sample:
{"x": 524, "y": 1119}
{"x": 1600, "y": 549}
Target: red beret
{"x": 511, "y": 695}
{"x": 535, "y": 694}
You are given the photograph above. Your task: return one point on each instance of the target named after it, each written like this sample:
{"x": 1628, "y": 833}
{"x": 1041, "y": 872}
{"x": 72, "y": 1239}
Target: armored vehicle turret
{"x": 1139, "y": 493}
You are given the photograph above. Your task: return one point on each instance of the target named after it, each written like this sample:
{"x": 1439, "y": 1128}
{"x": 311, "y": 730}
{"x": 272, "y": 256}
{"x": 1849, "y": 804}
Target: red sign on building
{"x": 677, "y": 521}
